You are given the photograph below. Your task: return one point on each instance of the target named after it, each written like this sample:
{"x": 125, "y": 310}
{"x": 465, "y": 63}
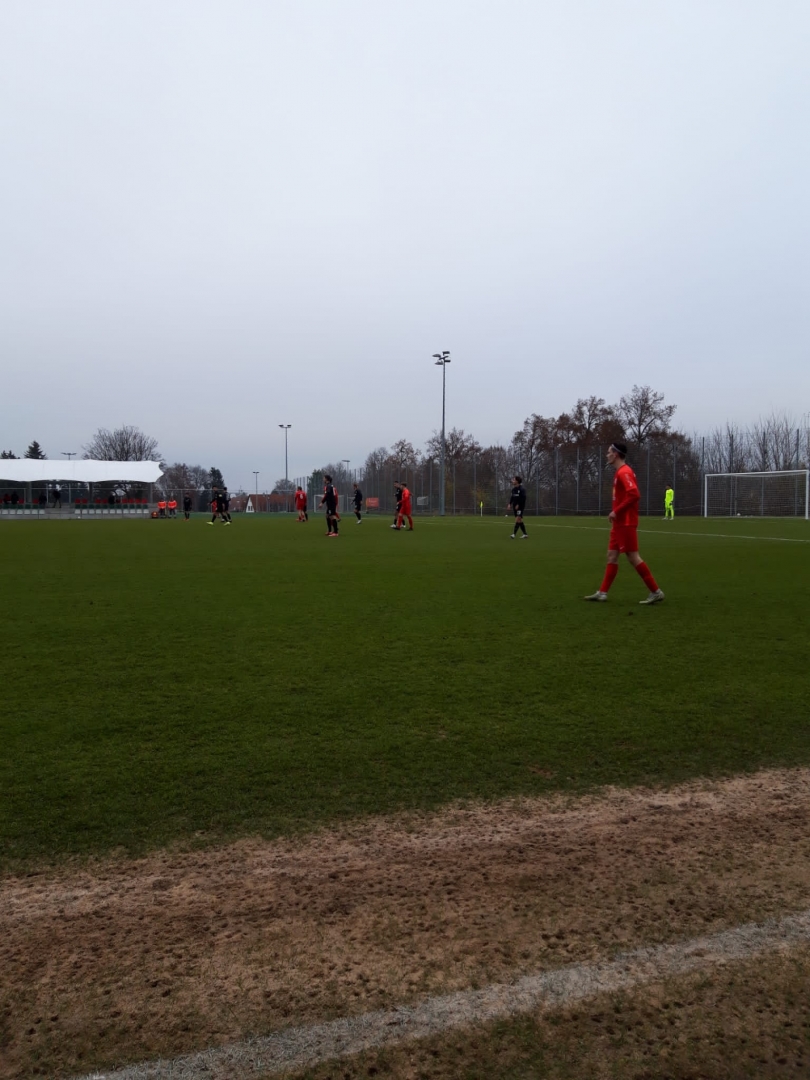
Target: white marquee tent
{"x": 81, "y": 471}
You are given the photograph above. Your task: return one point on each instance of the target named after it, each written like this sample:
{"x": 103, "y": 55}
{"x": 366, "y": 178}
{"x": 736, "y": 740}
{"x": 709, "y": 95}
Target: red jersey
{"x": 300, "y": 500}
{"x": 406, "y": 497}
{"x": 625, "y": 496}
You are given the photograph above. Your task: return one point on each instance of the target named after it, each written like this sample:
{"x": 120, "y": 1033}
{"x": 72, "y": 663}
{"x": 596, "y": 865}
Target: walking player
{"x": 187, "y": 507}
{"x": 330, "y": 501}
{"x": 517, "y": 501}
{"x": 405, "y": 508}
{"x": 669, "y": 502}
{"x": 623, "y": 519}
{"x": 398, "y": 498}
{"x": 358, "y": 503}
{"x": 301, "y": 504}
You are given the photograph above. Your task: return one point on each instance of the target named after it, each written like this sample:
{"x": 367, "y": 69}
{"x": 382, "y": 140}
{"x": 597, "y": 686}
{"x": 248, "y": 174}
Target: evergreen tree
{"x": 216, "y": 479}
{"x": 35, "y": 451}
{"x": 8, "y": 456}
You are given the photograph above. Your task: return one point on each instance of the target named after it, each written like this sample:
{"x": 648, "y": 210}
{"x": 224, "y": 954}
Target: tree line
{"x": 642, "y": 419}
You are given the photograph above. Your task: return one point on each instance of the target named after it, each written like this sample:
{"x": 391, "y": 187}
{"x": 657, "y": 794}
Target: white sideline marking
{"x": 537, "y": 524}
{"x": 680, "y": 532}
{"x": 302, "y": 1047}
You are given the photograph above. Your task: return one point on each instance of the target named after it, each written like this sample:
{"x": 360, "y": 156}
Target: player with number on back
{"x": 358, "y": 503}
{"x": 330, "y": 501}
{"x": 517, "y": 501}
{"x": 301, "y": 504}
{"x": 623, "y": 519}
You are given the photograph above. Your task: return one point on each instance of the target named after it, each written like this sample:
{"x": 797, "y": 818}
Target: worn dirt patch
{"x": 746, "y": 1021}
{"x": 133, "y": 960}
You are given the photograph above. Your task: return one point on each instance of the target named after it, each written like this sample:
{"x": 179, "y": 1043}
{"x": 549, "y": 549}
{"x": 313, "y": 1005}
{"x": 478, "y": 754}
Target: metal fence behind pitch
{"x": 565, "y": 482}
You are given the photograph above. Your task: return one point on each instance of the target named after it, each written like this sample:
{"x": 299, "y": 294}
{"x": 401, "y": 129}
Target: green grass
{"x": 170, "y": 682}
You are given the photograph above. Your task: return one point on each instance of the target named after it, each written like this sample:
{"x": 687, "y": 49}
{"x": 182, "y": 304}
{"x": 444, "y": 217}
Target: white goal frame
{"x": 801, "y": 493}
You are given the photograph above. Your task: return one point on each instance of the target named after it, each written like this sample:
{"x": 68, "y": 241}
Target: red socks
{"x": 643, "y": 572}
{"x": 611, "y": 570}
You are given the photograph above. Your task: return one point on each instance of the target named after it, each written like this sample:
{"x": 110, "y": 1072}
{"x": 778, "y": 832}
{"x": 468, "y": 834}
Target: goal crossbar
{"x": 774, "y": 493}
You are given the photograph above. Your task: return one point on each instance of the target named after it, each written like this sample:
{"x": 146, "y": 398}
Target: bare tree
{"x": 403, "y": 455}
{"x": 642, "y": 413}
{"x": 123, "y": 444}
{"x": 458, "y": 445}
{"x": 376, "y": 459}
{"x": 726, "y": 450}
{"x": 283, "y": 487}
{"x": 535, "y": 438}
{"x": 774, "y": 443}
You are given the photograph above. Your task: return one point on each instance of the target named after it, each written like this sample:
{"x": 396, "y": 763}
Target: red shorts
{"x": 623, "y": 538}
{"x": 406, "y": 509}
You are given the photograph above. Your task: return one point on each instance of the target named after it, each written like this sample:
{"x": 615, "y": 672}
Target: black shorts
{"x": 518, "y": 511}
{"x": 331, "y": 509}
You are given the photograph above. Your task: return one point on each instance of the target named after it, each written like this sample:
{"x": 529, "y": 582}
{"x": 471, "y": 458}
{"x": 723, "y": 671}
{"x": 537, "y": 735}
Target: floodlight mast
{"x": 442, "y": 360}
{"x": 286, "y": 428}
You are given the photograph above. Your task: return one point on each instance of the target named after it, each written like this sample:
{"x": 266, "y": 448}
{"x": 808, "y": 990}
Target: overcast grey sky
{"x": 221, "y": 216}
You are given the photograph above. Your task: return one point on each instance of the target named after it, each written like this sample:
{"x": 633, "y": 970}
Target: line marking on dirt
{"x": 302, "y": 1047}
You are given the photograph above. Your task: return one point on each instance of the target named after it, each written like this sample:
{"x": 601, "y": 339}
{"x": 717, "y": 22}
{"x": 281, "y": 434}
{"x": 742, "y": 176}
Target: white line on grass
{"x": 302, "y": 1047}
{"x": 680, "y": 532}
{"x": 648, "y": 532}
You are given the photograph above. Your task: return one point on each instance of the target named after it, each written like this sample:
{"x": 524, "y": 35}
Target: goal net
{"x": 757, "y": 494}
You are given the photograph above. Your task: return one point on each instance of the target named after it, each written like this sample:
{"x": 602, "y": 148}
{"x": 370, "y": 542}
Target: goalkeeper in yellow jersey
{"x": 669, "y": 502}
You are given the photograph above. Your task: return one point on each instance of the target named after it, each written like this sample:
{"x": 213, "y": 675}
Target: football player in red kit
{"x": 406, "y": 508}
{"x": 623, "y": 519}
{"x": 301, "y": 503}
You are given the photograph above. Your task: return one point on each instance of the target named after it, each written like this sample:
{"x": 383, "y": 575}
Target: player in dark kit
{"x": 517, "y": 501}
{"x": 358, "y": 503}
{"x": 187, "y": 507}
{"x": 224, "y": 503}
{"x": 330, "y": 501}
{"x": 398, "y": 497}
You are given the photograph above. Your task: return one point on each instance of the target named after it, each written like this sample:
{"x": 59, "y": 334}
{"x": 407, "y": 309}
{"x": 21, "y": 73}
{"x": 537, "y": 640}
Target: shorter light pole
{"x": 256, "y": 474}
{"x": 285, "y": 428}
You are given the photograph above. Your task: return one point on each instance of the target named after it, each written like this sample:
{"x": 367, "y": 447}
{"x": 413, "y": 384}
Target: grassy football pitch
{"x": 171, "y": 682}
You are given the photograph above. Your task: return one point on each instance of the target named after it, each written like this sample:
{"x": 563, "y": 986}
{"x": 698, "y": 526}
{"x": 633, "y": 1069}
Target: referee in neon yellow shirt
{"x": 669, "y": 502}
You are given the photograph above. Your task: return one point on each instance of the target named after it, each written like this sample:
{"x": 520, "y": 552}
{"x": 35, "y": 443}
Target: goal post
{"x": 757, "y": 494}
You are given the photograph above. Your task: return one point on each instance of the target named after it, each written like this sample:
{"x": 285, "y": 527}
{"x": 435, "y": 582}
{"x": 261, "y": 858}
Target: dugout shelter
{"x": 87, "y": 487}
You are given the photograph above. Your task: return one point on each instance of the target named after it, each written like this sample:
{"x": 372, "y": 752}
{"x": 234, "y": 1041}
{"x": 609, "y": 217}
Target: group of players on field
{"x": 623, "y": 518}
{"x": 329, "y": 500}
